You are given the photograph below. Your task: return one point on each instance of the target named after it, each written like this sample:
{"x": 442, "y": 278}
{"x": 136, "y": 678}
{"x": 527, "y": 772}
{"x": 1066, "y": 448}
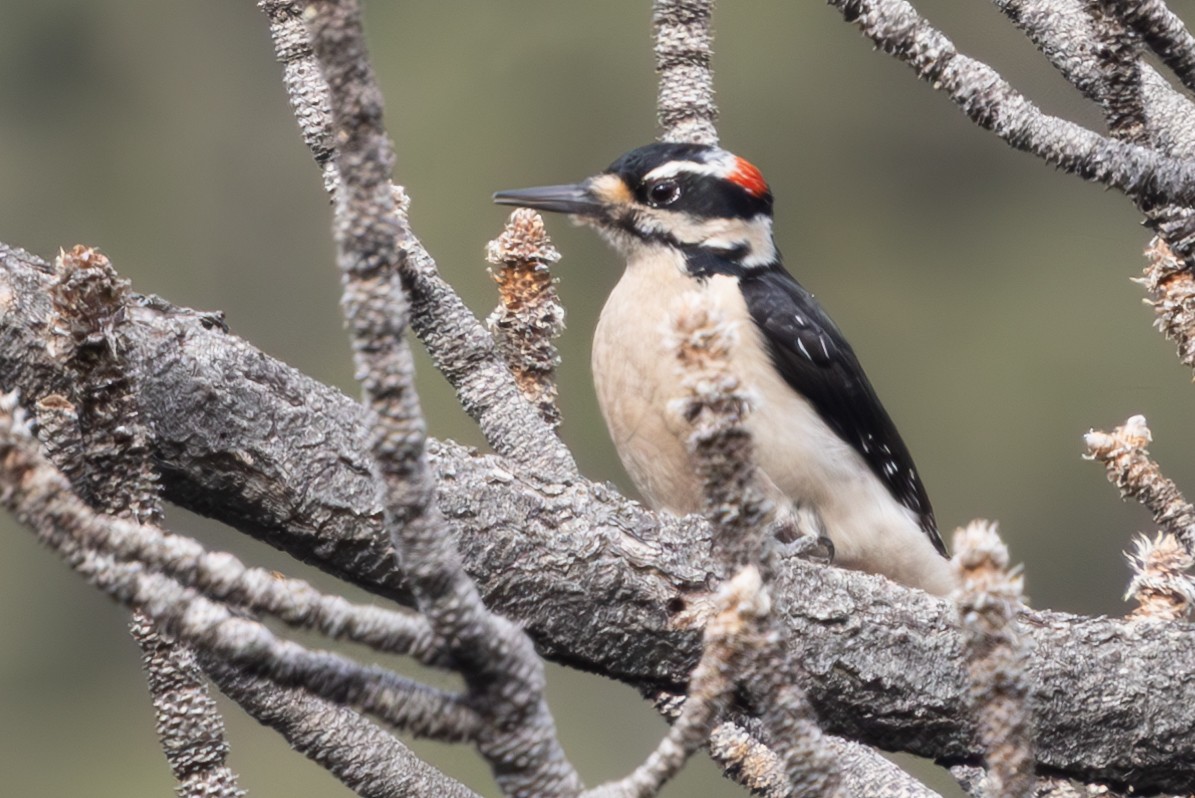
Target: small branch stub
{"x": 530, "y": 317}
{"x": 89, "y": 300}
{"x": 1162, "y": 585}
{"x": 988, "y": 598}
{"x": 1123, "y": 453}
{"x": 1171, "y": 289}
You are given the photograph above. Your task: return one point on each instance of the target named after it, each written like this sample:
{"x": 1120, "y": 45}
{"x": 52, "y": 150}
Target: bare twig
{"x": 34, "y": 491}
{"x": 459, "y": 345}
{"x": 1126, "y": 459}
{"x": 106, "y": 446}
{"x": 742, "y": 604}
{"x": 977, "y": 782}
{"x": 791, "y": 725}
{"x": 502, "y": 670}
{"x": 1118, "y": 61}
{"x": 364, "y": 757}
{"x": 1162, "y": 584}
{"x": 1066, "y": 33}
{"x": 862, "y": 770}
{"x": 1163, "y": 31}
{"x": 866, "y": 772}
{"x": 716, "y": 408}
{"x": 685, "y": 104}
{"x": 988, "y": 597}
{"x": 1123, "y": 96}
{"x": 220, "y": 576}
{"x": 1141, "y": 173}
{"x": 748, "y": 761}
{"x": 188, "y": 722}
{"x": 530, "y": 317}
{"x": 1091, "y": 48}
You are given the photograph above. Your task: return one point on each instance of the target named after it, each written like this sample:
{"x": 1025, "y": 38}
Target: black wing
{"x": 815, "y": 359}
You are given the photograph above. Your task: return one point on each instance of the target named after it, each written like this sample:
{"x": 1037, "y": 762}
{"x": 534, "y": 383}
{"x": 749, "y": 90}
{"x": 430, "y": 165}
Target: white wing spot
{"x": 804, "y": 351}
{"x": 825, "y": 351}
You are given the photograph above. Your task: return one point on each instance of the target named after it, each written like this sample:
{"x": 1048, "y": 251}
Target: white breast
{"x": 799, "y": 456}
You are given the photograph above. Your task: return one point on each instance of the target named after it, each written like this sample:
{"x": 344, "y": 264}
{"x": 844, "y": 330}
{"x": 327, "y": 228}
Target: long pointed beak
{"x": 574, "y": 199}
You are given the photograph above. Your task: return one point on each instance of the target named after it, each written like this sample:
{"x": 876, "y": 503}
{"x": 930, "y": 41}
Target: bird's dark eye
{"x": 664, "y": 192}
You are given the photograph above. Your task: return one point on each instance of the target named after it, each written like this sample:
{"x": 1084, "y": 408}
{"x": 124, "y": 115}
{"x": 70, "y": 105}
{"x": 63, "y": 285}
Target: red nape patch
{"x": 746, "y": 175}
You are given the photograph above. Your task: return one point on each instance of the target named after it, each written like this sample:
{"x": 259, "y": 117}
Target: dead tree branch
{"x": 989, "y": 601}
{"x": 460, "y": 346}
{"x": 102, "y": 439}
{"x": 363, "y": 756}
{"x": 545, "y": 553}
{"x": 503, "y": 673}
{"x": 683, "y": 49}
{"x": 597, "y": 581}
{"x": 988, "y": 100}
{"x": 530, "y": 316}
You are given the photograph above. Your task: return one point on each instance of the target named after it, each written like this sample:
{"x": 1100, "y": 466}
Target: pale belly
{"x": 800, "y": 460}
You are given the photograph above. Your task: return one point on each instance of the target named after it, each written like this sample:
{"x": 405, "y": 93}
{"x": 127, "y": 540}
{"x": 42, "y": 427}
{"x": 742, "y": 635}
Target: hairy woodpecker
{"x": 694, "y": 217}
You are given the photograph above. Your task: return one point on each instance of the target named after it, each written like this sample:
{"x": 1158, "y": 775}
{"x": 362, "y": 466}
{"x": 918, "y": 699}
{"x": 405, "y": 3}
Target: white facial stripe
{"x": 754, "y": 234}
{"x": 720, "y": 165}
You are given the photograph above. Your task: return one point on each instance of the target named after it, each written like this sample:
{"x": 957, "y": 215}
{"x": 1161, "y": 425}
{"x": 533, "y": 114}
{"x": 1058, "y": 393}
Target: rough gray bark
{"x": 349, "y": 745}
{"x": 599, "y": 582}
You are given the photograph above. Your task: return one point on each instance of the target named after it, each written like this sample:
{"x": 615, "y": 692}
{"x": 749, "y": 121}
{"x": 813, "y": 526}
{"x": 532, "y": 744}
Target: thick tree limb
{"x": 599, "y": 582}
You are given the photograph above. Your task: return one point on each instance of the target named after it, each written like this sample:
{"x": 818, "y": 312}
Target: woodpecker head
{"x": 705, "y": 202}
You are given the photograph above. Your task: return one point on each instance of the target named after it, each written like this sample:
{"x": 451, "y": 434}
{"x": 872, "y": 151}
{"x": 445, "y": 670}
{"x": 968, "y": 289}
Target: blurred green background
{"x": 988, "y": 295}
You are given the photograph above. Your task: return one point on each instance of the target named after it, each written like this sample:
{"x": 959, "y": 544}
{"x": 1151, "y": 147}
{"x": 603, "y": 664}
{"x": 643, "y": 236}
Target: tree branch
{"x": 989, "y": 600}
{"x": 599, "y": 582}
{"x": 683, "y": 50}
{"x": 503, "y": 674}
{"x": 460, "y": 346}
{"x": 365, "y": 758}
{"x": 988, "y": 100}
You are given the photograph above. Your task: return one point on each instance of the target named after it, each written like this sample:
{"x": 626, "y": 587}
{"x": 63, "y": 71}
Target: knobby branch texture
{"x": 98, "y": 433}
{"x": 596, "y": 580}
{"x": 1151, "y": 178}
{"x": 1163, "y": 584}
{"x": 460, "y": 346}
{"x": 502, "y": 671}
{"x": 529, "y": 317}
{"x": 529, "y": 528}
{"x": 683, "y": 50}
{"x": 988, "y": 597}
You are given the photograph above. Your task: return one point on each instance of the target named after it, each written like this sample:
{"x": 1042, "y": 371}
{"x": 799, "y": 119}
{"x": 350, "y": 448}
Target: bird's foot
{"x": 792, "y": 541}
